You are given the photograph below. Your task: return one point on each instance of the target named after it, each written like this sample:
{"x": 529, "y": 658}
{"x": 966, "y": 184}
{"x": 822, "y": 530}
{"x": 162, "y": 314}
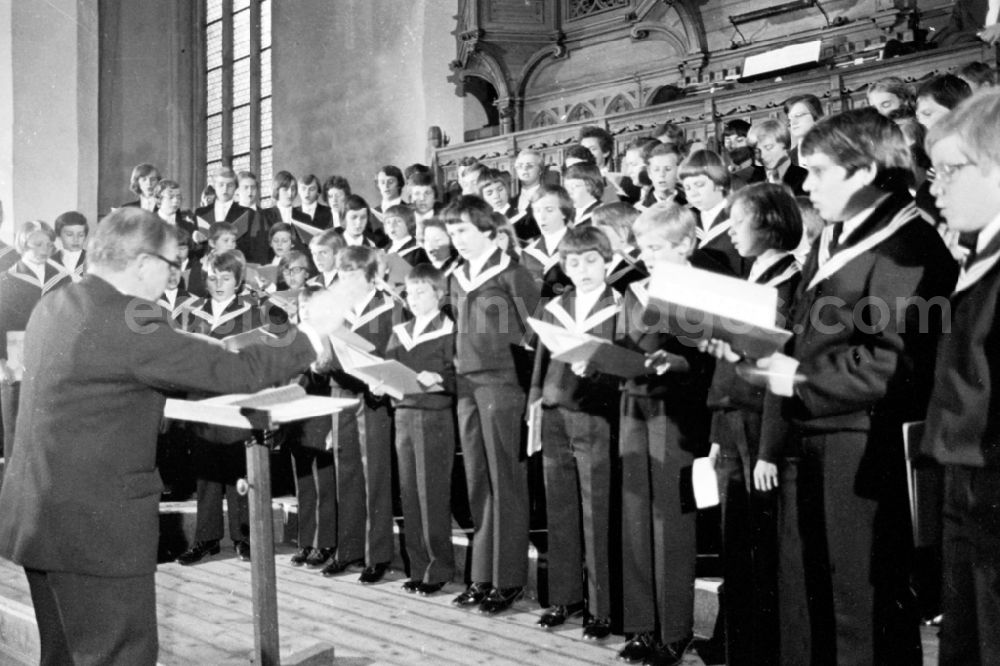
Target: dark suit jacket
{"x": 860, "y": 376}
{"x": 251, "y": 235}
{"x": 20, "y": 292}
{"x": 81, "y": 492}
{"x": 322, "y": 219}
{"x": 8, "y": 256}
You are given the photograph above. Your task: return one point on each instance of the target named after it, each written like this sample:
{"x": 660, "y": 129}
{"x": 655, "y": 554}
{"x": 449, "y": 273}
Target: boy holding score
{"x": 578, "y": 411}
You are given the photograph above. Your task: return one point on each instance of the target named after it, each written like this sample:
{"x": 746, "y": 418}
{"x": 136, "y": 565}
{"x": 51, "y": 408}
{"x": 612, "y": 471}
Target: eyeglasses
{"x": 173, "y": 264}
{"x": 946, "y": 172}
{"x": 294, "y": 270}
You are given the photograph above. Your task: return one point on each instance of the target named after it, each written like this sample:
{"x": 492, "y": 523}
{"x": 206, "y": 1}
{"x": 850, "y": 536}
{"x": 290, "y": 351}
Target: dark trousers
{"x": 363, "y": 454}
{"x": 9, "y": 395}
{"x": 970, "y": 631}
{"x": 92, "y": 620}
{"x": 218, "y": 467}
{"x": 659, "y": 550}
{"x": 489, "y": 423}
{"x": 577, "y": 463}
{"x": 856, "y": 553}
{"x": 749, "y": 544}
{"x": 315, "y": 485}
{"x": 425, "y": 446}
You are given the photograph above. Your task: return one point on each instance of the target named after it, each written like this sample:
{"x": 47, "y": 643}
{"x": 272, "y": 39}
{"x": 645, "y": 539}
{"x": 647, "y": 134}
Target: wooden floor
{"x": 205, "y": 618}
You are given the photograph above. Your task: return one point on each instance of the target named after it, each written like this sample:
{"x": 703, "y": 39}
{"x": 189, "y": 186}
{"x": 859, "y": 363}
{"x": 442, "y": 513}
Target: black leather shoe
{"x": 242, "y": 550}
{"x": 557, "y": 615}
{"x": 338, "y": 566}
{"x": 374, "y": 573}
{"x": 638, "y": 648}
{"x": 670, "y": 654}
{"x": 500, "y": 599}
{"x": 427, "y": 589}
{"x": 596, "y": 628}
{"x": 319, "y": 557}
{"x": 301, "y": 556}
{"x": 198, "y": 552}
{"x": 411, "y": 586}
{"x": 474, "y": 595}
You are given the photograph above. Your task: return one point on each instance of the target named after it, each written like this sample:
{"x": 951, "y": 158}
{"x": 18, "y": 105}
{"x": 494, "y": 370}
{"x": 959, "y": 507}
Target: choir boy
{"x": 324, "y": 248}
{"x": 142, "y": 183}
{"x": 425, "y": 430}
{"x": 168, "y": 207}
{"x": 221, "y": 238}
{"x": 400, "y": 224}
{"x": 176, "y": 301}
{"x": 22, "y": 286}
{"x": 961, "y": 430}
{"x": 579, "y": 410}
{"x": 664, "y": 427}
{"x": 553, "y": 210}
{"x": 706, "y": 183}
{"x": 218, "y": 453}
{"x": 662, "y": 166}
{"x": 71, "y": 229}
{"x": 859, "y": 365}
{"x": 771, "y": 142}
{"x": 311, "y": 211}
{"x": 336, "y": 189}
{"x": 437, "y": 244}
{"x": 390, "y": 186}
{"x": 423, "y": 198}
{"x": 251, "y": 234}
{"x": 625, "y": 267}
{"x": 364, "y": 437}
{"x": 493, "y": 190}
{"x": 357, "y": 229}
{"x": 248, "y": 190}
{"x": 528, "y": 167}
{"x": 585, "y": 186}
{"x": 491, "y": 295}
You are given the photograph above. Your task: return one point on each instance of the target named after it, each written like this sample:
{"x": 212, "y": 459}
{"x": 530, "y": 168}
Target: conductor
{"x": 78, "y": 505}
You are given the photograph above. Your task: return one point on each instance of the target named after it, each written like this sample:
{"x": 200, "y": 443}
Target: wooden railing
{"x": 703, "y": 115}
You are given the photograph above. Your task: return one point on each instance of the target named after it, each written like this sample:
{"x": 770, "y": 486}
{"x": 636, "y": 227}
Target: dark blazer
{"x": 433, "y": 350}
{"x": 251, "y": 235}
{"x": 525, "y": 227}
{"x": 321, "y": 219}
{"x": 623, "y": 271}
{"x": 866, "y": 379}
{"x": 716, "y": 243}
{"x": 412, "y": 253}
{"x": 20, "y": 292}
{"x": 8, "y": 256}
{"x": 82, "y": 492}
{"x": 545, "y": 267}
{"x": 75, "y": 272}
{"x": 962, "y": 427}
{"x": 793, "y": 178}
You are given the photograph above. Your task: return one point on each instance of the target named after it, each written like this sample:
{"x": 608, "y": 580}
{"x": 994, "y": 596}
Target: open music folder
{"x": 263, "y": 410}
{"x": 599, "y": 354}
{"x": 387, "y": 375}
{"x": 702, "y": 305}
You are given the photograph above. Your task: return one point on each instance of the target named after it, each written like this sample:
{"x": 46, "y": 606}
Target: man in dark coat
{"x": 78, "y": 506}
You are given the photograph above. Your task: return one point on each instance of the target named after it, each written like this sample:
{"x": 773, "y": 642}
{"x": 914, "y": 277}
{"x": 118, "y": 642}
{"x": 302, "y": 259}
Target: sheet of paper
{"x": 535, "y": 427}
{"x": 704, "y": 483}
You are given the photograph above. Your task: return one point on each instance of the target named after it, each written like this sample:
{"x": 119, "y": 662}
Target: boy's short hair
{"x": 247, "y": 175}
{"x": 393, "y": 172}
{"x": 416, "y": 167}
{"x": 705, "y": 163}
{"x": 309, "y": 180}
{"x": 618, "y": 215}
{"x": 811, "y": 102}
{"x": 70, "y": 218}
{"x": 604, "y": 138}
{"x": 664, "y": 149}
{"x": 28, "y": 228}
{"x": 279, "y": 227}
{"x": 979, "y": 73}
{"x": 163, "y": 186}
{"x": 232, "y": 262}
{"x": 488, "y": 177}
{"x": 141, "y": 171}
{"x": 337, "y": 182}
{"x": 585, "y": 239}
{"x": 420, "y": 179}
{"x": 591, "y": 176}
{"x": 282, "y": 179}
{"x": 182, "y": 236}
{"x": 945, "y": 89}
{"x": 403, "y": 212}
{"x": 578, "y": 152}
{"x": 976, "y": 124}
{"x": 209, "y": 189}
{"x": 224, "y": 172}
{"x": 644, "y": 144}
{"x": 565, "y": 203}
{"x": 736, "y": 127}
{"x": 859, "y": 138}
{"x": 219, "y": 229}
{"x": 467, "y": 161}
{"x": 290, "y": 256}
{"x": 673, "y": 132}
{"x": 426, "y": 274}
{"x": 359, "y": 258}
{"x": 774, "y": 211}
{"x": 355, "y": 202}
{"x": 673, "y": 221}
{"x": 771, "y": 129}
{"x": 478, "y": 212}
{"x": 331, "y": 238}
{"x": 436, "y": 223}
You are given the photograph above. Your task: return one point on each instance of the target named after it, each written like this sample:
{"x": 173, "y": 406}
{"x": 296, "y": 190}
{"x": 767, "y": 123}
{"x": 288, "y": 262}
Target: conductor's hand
{"x": 658, "y": 361}
{"x": 765, "y": 476}
{"x": 720, "y": 349}
{"x": 328, "y": 308}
